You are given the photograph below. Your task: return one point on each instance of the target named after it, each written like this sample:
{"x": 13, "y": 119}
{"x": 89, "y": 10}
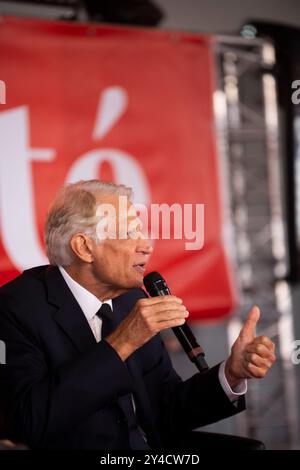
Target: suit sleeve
{"x": 43, "y": 403}
{"x": 186, "y": 405}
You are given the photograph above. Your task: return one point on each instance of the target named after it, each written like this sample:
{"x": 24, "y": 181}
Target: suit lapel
{"x": 69, "y": 315}
{"x": 122, "y": 305}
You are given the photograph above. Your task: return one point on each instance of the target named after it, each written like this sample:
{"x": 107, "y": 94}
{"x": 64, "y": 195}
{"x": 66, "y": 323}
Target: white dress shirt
{"x": 90, "y": 305}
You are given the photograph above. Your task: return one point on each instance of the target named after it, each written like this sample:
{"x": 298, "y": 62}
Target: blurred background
{"x": 223, "y": 73}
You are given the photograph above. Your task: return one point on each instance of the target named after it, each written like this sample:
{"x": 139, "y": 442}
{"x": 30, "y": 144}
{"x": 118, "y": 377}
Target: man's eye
{"x": 134, "y": 233}
{"x": 130, "y": 234}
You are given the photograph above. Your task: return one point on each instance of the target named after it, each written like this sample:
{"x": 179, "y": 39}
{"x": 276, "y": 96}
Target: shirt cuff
{"x": 239, "y": 390}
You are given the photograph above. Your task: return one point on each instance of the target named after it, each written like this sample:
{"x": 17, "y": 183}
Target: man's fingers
{"x": 259, "y": 361}
{"x": 259, "y": 356}
{"x": 163, "y": 299}
{"x": 167, "y": 318}
{"x": 159, "y": 309}
{"x": 248, "y": 330}
{"x": 170, "y": 323}
{"x": 169, "y": 315}
{"x": 164, "y": 303}
{"x": 265, "y": 341}
{"x": 261, "y": 350}
{"x": 255, "y": 371}
{"x": 166, "y": 312}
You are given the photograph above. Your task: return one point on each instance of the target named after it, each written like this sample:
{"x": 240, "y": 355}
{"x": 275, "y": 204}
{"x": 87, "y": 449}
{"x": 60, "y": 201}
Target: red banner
{"x": 129, "y": 105}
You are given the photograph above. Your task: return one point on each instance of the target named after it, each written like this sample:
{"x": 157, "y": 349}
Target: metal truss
{"x": 248, "y": 129}
{"x": 50, "y": 9}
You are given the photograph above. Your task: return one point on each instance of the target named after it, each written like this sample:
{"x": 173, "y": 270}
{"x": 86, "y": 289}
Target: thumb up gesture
{"x": 251, "y": 356}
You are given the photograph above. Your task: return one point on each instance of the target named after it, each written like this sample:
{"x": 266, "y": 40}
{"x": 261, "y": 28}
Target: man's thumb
{"x": 248, "y": 330}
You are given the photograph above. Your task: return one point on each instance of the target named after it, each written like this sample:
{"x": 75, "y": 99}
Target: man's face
{"x": 120, "y": 259}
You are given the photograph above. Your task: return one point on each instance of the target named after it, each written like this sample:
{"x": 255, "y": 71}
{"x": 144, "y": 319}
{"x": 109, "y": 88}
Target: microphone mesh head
{"x": 156, "y": 285}
{"x": 151, "y": 278}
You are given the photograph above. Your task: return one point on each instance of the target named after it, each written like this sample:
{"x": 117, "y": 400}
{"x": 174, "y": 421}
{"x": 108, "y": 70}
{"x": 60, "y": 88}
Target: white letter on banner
{"x": 17, "y": 216}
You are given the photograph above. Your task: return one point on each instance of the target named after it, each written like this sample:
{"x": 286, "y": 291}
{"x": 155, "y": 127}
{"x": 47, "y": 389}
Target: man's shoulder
{"x": 24, "y": 298}
{"x": 28, "y": 290}
{"x": 29, "y": 278}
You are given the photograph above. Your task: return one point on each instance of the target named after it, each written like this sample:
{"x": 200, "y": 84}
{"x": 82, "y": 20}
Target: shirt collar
{"x": 87, "y": 301}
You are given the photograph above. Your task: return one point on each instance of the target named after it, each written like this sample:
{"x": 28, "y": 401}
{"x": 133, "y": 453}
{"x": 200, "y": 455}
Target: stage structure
{"x": 251, "y": 159}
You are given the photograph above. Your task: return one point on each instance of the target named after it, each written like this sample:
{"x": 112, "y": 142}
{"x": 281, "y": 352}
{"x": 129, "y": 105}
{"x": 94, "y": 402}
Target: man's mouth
{"x": 140, "y": 267}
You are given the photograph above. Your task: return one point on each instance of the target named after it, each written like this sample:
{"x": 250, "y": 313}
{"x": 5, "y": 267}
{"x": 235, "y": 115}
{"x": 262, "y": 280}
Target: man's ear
{"x": 82, "y": 246}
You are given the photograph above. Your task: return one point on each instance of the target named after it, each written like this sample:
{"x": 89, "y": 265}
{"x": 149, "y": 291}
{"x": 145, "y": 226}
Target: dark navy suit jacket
{"x": 61, "y": 387}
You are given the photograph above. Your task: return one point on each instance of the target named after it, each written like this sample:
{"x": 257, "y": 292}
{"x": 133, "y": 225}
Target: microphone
{"x": 155, "y": 286}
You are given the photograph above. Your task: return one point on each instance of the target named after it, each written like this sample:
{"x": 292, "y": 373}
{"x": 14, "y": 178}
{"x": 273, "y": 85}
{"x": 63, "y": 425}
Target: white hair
{"x": 73, "y": 211}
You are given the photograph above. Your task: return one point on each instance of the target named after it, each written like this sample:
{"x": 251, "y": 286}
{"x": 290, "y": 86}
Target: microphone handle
{"x": 193, "y": 350}
{"x": 185, "y": 335}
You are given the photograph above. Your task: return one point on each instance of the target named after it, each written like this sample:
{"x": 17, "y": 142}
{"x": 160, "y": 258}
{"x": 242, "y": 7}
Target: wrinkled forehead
{"x": 118, "y": 204}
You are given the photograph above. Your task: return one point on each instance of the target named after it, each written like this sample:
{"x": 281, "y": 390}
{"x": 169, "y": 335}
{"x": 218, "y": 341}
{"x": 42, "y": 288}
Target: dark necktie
{"x": 109, "y": 320}
{"x": 109, "y": 324}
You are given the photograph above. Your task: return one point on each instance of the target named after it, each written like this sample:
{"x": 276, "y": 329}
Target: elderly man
{"x": 86, "y": 368}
